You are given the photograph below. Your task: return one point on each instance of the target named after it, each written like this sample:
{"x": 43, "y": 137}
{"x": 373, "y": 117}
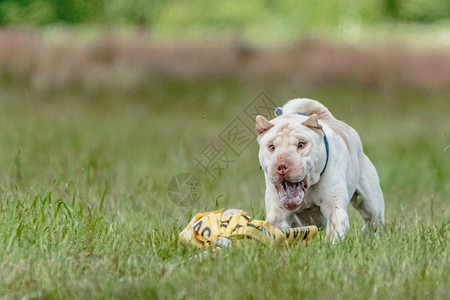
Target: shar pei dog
{"x": 314, "y": 166}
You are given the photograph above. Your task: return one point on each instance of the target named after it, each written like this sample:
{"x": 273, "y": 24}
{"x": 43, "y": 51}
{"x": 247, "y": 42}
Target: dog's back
{"x": 345, "y": 131}
{"x": 308, "y": 106}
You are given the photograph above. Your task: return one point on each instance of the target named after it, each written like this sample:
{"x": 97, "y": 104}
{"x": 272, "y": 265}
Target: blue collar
{"x": 325, "y": 140}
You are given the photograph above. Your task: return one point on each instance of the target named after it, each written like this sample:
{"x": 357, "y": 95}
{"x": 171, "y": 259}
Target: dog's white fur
{"x": 349, "y": 177}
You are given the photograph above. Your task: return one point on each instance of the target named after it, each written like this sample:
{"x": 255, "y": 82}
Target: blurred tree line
{"x": 44, "y": 12}
{"x": 206, "y": 14}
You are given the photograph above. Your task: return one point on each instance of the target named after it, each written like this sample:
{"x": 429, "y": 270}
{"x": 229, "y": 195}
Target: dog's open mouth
{"x": 291, "y": 194}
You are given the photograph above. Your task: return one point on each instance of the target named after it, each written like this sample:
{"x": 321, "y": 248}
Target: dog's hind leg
{"x": 368, "y": 198}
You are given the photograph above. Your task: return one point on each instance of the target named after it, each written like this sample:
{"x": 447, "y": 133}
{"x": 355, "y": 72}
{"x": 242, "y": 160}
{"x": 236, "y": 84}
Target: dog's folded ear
{"x": 313, "y": 123}
{"x": 262, "y": 125}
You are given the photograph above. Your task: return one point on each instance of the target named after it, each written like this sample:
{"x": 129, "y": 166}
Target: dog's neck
{"x": 325, "y": 141}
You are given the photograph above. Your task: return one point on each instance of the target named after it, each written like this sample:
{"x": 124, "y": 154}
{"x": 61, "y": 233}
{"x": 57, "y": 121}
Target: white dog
{"x": 315, "y": 166}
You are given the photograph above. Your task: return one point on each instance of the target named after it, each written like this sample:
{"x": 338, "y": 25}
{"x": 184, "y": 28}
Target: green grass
{"x": 84, "y": 211}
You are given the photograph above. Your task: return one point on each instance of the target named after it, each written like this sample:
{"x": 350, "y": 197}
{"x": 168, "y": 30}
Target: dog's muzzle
{"x": 291, "y": 194}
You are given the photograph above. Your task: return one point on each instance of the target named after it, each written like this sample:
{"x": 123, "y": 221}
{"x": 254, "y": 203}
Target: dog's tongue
{"x": 291, "y": 194}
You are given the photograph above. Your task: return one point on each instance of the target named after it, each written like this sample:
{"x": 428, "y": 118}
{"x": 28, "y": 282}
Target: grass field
{"x": 85, "y": 212}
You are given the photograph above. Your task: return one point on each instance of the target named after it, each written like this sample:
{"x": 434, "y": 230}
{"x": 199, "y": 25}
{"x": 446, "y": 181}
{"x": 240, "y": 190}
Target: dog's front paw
{"x": 337, "y": 225}
{"x": 336, "y": 231}
{"x": 334, "y": 237}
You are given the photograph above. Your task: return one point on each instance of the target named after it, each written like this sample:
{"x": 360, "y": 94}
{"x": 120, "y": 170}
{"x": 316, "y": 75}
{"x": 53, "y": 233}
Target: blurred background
{"x": 127, "y": 94}
{"x": 381, "y": 43}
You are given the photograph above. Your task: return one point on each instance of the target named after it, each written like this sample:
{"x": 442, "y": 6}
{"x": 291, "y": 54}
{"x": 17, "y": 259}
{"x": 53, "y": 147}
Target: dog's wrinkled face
{"x": 290, "y": 155}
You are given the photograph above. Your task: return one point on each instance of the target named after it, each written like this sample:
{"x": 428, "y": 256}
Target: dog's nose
{"x": 282, "y": 168}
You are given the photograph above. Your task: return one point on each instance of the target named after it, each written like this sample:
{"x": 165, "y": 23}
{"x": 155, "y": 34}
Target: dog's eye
{"x": 301, "y": 145}
{"x": 271, "y": 147}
